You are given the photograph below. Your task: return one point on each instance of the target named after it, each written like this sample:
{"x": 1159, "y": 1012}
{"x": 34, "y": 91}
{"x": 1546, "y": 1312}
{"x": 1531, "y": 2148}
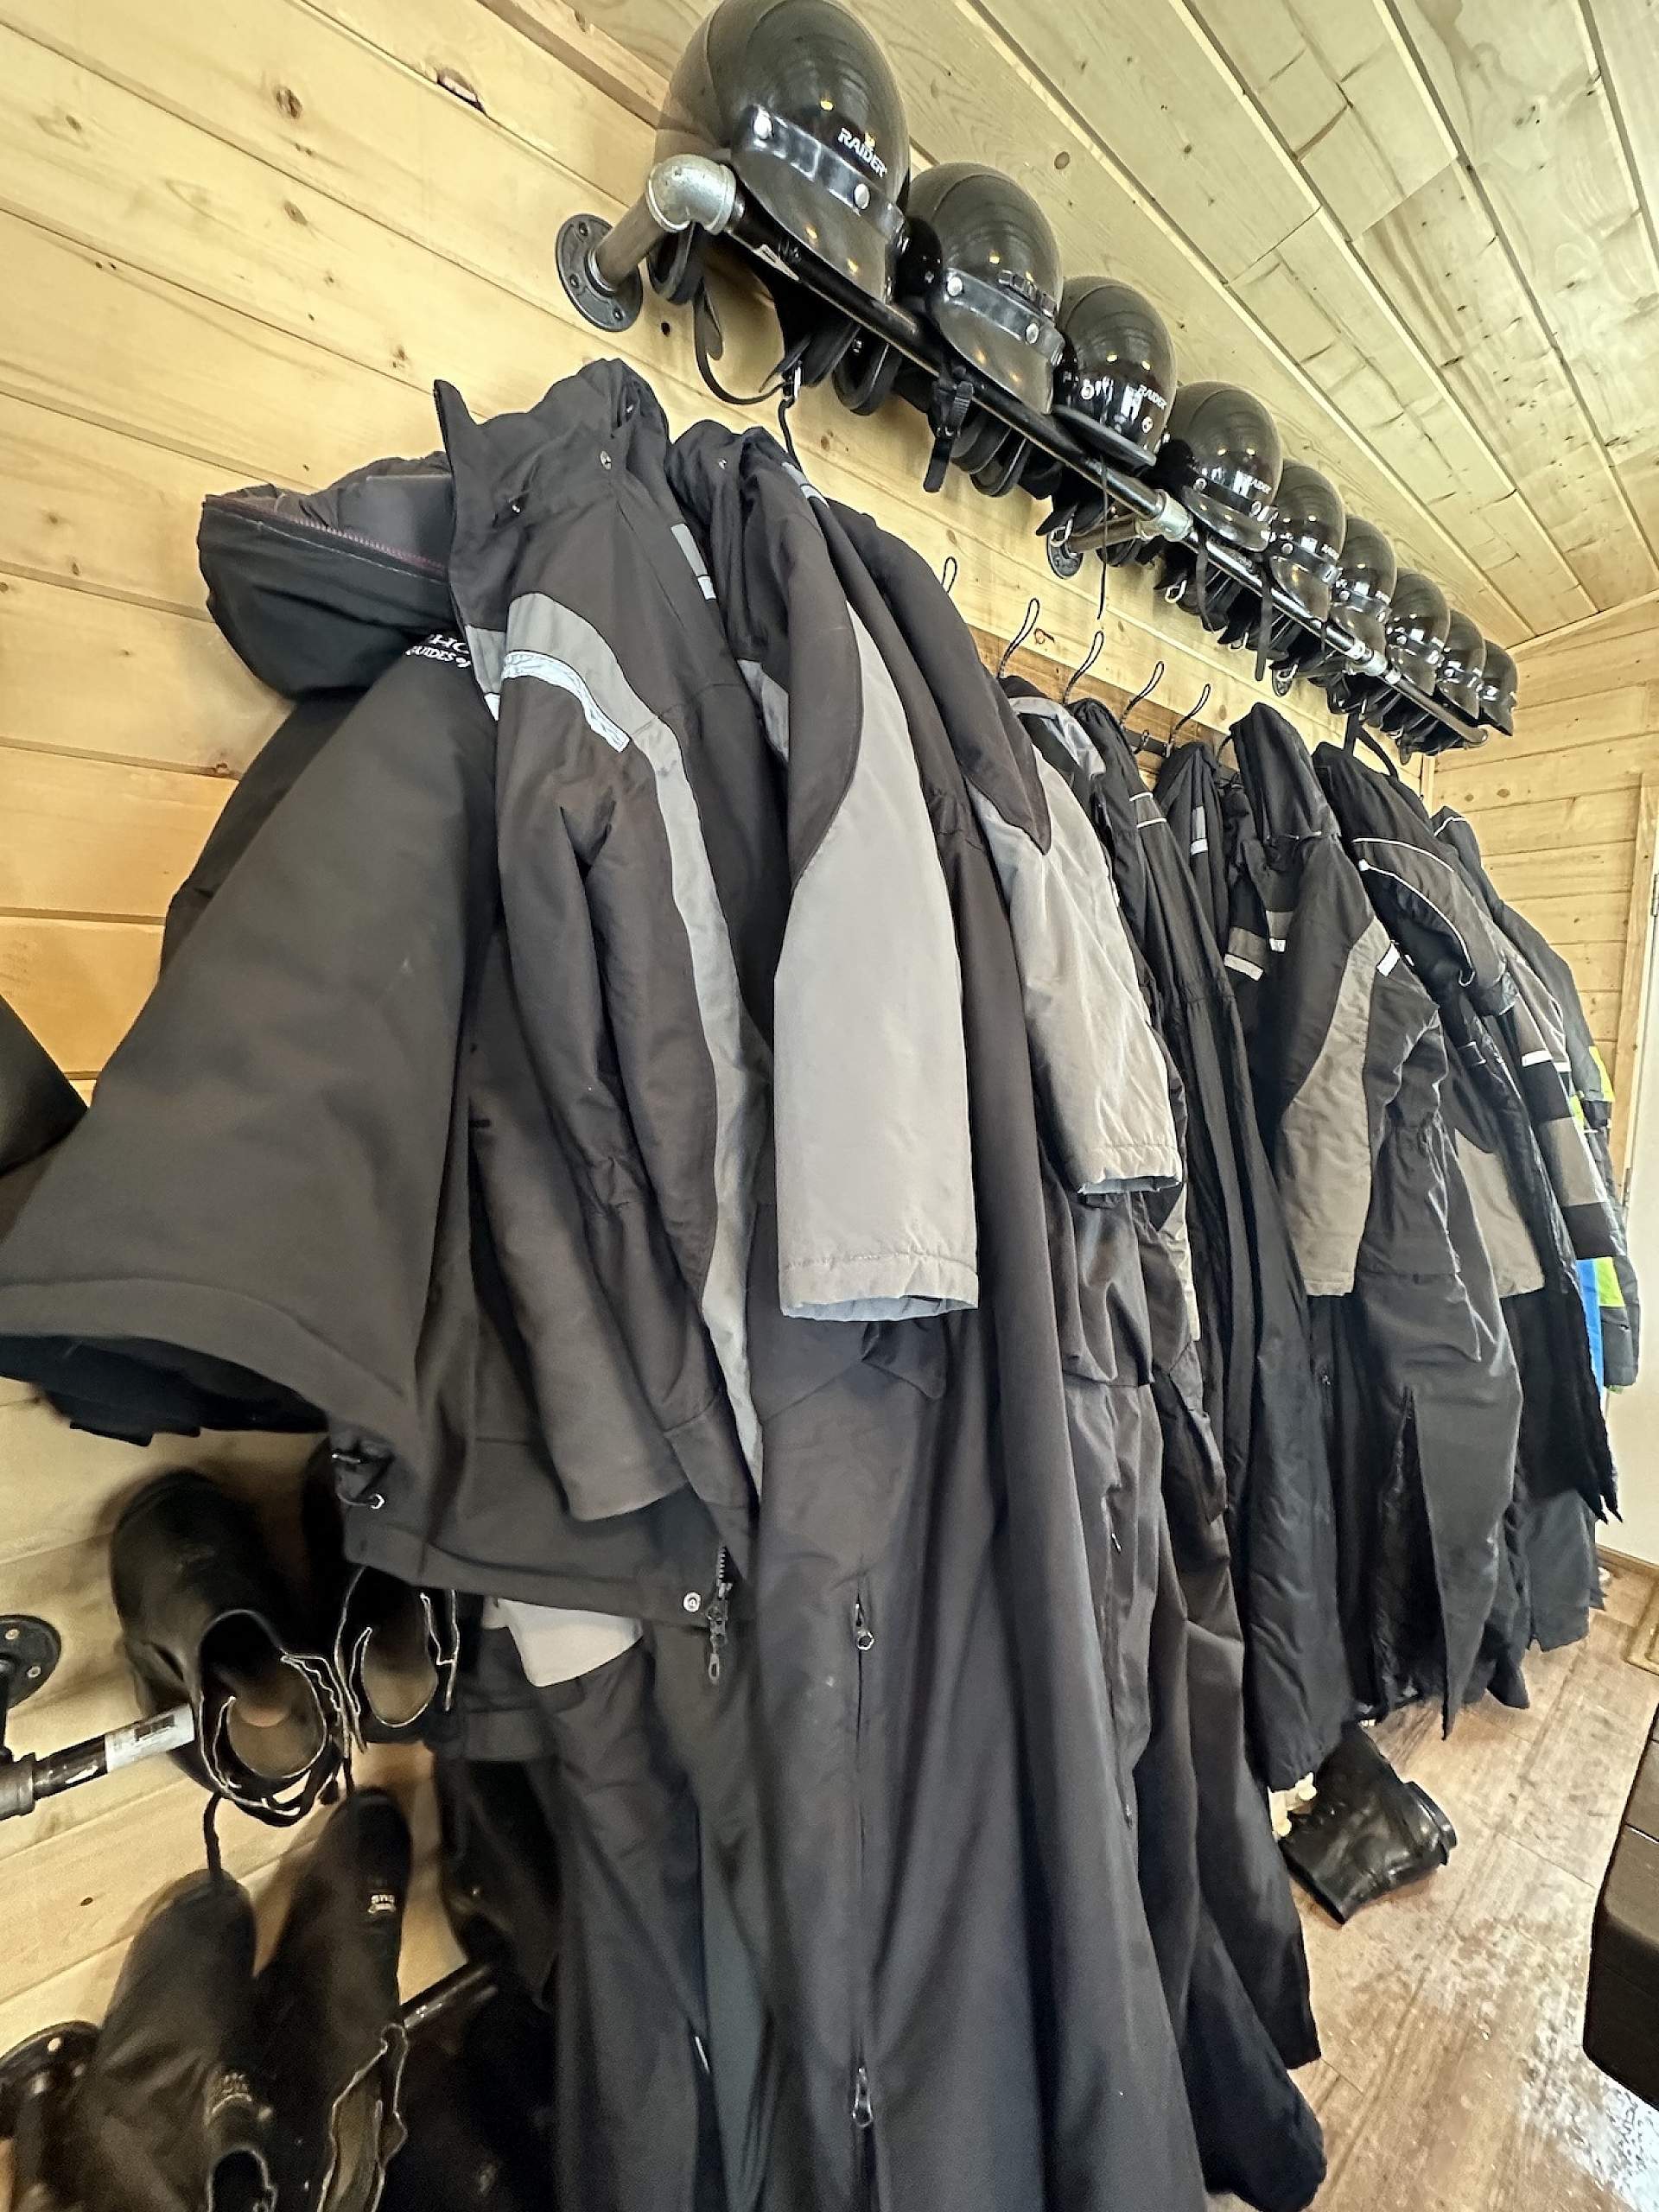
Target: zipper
{"x": 718, "y": 1613}
{"x": 863, "y": 2114}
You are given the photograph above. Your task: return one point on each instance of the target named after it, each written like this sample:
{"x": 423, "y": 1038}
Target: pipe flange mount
{"x": 605, "y": 307}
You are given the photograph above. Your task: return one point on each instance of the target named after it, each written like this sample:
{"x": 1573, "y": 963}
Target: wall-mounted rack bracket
{"x": 29, "y": 1651}
{"x": 600, "y": 265}
{"x": 608, "y": 307}
{"x": 47, "y": 2063}
{"x": 34, "y": 2078}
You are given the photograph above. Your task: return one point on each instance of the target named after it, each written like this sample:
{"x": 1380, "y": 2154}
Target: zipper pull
{"x": 863, "y": 1635}
{"x": 862, "y": 2116}
{"x": 718, "y": 1615}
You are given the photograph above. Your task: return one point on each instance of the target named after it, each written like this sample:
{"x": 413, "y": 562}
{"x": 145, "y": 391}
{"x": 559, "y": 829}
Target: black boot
{"x": 1369, "y": 1831}
{"x": 479, "y": 2114}
{"x": 396, "y": 1648}
{"x": 166, "y": 2116}
{"x": 331, "y": 2042}
{"x": 207, "y": 1621}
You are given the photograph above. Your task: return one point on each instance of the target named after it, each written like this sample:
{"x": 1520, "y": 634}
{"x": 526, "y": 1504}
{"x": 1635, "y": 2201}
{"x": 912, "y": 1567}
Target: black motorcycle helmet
{"x": 1304, "y": 534}
{"x": 1364, "y": 587}
{"x": 1419, "y": 618}
{"x": 1222, "y": 457}
{"x": 1461, "y": 664}
{"x": 1116, "y": 377}
{"x": 1497, "y": 688}
{"x": 981, "y": 262}
{"x": 796, "y": 97}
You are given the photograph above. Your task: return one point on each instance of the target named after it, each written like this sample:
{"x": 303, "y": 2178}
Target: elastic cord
{"x": 210, "y": 1836}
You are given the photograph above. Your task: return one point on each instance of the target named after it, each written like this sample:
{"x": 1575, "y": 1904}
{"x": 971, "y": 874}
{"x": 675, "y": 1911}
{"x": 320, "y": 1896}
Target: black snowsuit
{"x": 1235, "y": 1971}
{"x": 1252, "y": 1338}
{"x": 1621, "y": 1320}
{"x": 1512, "y": 1112}
{"x": 1195, "y": 793}
{"x": 1422, "y": 1397}
{"x": 919, "y": 1611}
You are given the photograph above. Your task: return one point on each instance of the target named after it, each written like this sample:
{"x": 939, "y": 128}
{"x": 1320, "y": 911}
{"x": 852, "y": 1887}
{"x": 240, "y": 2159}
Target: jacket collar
{"x": 584, "y": 436}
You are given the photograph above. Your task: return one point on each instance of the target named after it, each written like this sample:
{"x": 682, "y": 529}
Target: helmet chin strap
{"x": 709, "y": 342}
{"x": 947, "y": 410}
{"x": 785, "y": 386}
{"x": 1357, "y": 733}
{"x": 1201, "y": 582}
{"x": 789, "y": 390}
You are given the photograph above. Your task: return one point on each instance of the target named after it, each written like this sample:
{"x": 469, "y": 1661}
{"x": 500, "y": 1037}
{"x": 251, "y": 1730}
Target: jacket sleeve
{"x": 874, "y": 1163}
{"x": 1585, "y": 1203}
{"x": 1343, "y": 1014}
{"x": 624, "y": 972}
{"x": 1100, "y": 1072}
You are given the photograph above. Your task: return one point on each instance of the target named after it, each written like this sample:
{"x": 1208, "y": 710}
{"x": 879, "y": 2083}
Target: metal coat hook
{"x": 949, "y": 573}
{"x": 1197, "y": 708}
{"x": 1095, "y": 648}
{"x": 1145, "y": 692}
{"x": 1034, "y": 609}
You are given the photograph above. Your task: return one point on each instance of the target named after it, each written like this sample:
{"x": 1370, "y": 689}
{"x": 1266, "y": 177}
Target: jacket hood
{"x": 1277, "y": 773}
{"x": 320, "y": 591}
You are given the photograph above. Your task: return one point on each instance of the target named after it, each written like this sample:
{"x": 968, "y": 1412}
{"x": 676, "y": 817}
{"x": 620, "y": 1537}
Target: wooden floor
{"x": 1453, "y": 2079}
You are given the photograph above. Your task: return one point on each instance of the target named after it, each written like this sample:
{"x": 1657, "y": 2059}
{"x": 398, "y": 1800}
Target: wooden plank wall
{"x": 244, "y": 236}
{"x": 1565, "y": 809}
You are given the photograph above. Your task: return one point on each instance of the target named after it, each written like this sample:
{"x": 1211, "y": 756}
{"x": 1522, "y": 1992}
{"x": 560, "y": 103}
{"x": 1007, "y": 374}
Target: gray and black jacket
{"x": 1498, "y": 1014}
{"x": 1422, "y": 1398}
{"x": 1620, "y": 1300}
{"x": 325, "y": 1255}
{"x": 1237, "y": 1976}
{"x": 1253, "y": 1340}
{"x": 1508, "y": 1094}
{"x": 975, "y": 1979}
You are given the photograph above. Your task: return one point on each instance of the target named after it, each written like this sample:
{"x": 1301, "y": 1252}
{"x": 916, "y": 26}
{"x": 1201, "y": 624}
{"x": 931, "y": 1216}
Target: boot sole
{"x": 1436, "y": 1817}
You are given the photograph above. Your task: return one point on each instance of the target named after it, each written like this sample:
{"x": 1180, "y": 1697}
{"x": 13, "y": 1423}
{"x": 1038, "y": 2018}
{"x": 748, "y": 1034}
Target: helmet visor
{"x": 1364, "y": 624}
{"x": 1307, "y": 588}
{"x": 1229, "y": 517}
{"x": 1461, "y": 690}
{"x": 823, "y": 201}
{"x": 1418, "y": 660}
{"x": 1012, "y": 340}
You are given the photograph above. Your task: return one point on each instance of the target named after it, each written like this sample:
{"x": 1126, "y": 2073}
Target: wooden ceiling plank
{"x": 1186, "y": 105}
{"x": 1154, "y": 93}
{"x": 1331, "y": 77}
{"x": 1522, "y": 89}
{"x": 1441, "y": 261}
{"x": 1290, "y": 56}
{"x": 1573, "y": 495}
{"x": 1625, "y": 35}
{"x": 1311, "y": 293}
